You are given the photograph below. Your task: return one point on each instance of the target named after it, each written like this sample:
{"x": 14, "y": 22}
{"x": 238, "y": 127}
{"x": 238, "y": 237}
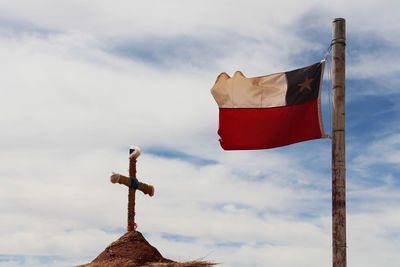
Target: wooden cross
{"x": 133, "y": 184}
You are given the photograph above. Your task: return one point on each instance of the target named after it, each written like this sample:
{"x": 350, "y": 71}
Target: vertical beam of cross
{"x": 131, "y": 195}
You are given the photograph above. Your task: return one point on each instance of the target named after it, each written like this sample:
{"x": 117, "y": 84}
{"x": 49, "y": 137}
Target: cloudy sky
{"x": 81, "y": 81}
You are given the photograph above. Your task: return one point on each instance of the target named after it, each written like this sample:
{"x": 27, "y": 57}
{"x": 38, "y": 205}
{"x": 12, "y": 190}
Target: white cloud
{"x": 385, "y": 150}
{"x": 72, "y": 102}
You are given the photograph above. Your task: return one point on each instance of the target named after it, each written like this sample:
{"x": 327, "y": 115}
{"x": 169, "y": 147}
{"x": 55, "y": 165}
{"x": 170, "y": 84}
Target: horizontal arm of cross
{"x": 132, "y": 182}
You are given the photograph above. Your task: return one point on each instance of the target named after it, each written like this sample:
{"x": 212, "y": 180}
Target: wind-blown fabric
{"x": 269, "y": 111}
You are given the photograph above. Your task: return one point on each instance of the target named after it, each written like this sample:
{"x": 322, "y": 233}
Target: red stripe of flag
{"x": 261, "y": 128}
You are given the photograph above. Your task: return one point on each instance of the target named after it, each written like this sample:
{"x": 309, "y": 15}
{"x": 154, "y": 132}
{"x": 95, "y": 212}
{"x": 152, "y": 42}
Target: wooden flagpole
{"x": 338, "y": 144}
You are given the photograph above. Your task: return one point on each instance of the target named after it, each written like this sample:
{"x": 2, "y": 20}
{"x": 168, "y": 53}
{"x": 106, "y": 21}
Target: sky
{"x": 82, "y": 81}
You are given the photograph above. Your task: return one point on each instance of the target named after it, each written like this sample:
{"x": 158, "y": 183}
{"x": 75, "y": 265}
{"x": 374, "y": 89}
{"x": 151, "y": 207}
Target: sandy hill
{"x": 133, "y": 250}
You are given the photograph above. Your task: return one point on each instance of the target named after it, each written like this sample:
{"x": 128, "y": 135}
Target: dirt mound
{"x": 133, "y": 250}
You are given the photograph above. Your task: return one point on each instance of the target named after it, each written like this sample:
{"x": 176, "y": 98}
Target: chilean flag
{"x": 269, "y": 111}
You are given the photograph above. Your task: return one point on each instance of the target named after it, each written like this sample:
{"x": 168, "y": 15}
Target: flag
{"x": 269, "y": 111}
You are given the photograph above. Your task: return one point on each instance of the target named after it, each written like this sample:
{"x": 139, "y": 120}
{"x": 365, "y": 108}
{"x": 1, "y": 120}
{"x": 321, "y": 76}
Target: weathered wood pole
{"x": 338, "y": 144}
{"x": 131, "y": 195}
